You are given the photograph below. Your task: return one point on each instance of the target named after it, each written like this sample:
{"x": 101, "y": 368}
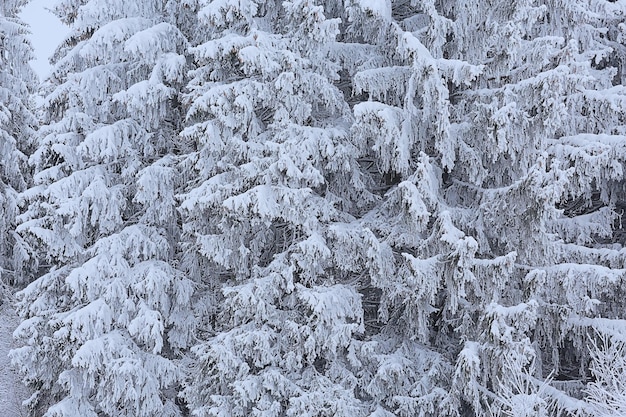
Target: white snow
{"x": 380, "y": 8}
{"x": 12, "y": 392}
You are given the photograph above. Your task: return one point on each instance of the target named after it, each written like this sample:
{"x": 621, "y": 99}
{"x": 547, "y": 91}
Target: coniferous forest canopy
{"x": 317, "y": 208}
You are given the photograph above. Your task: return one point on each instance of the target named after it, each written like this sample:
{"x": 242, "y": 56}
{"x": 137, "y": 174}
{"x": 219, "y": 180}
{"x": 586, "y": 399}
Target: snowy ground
{"x": 12, "y": 393}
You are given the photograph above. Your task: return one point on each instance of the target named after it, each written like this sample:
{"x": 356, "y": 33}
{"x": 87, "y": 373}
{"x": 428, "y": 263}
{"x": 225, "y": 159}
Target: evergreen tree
{"x": 268, "y": 218}
{"x": 105, "y": 322}
{"x": 468, "y": 144}
{"x": 328, "y": 208}
{"x": 17, "y": 124}
{"x": 492, "y": 270}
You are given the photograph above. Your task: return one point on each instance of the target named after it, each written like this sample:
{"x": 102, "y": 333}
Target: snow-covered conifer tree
{"x": 17, "y": 123}
{"x": 490, "y": 128}
{"x": 268, "y": 222}
{"x": 105, "y": 322}
{"x": 388, "y": 207}
{"x": 448, "y": 194}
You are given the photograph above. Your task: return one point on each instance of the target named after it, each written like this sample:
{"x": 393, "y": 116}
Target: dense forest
{"x": 317, "y": 208}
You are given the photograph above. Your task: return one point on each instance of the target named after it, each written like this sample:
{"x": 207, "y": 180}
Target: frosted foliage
{"x": 155, "y": 192}
{"x": 17, "y": 81}
{"x": 607, "y": 393}
{"x": 106, "y": 321}
{"x": 320, "y": 208}
{"x": 494, "y": 135}
{"x": 130, "y": 304}
{"x": 277, "y": 171}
